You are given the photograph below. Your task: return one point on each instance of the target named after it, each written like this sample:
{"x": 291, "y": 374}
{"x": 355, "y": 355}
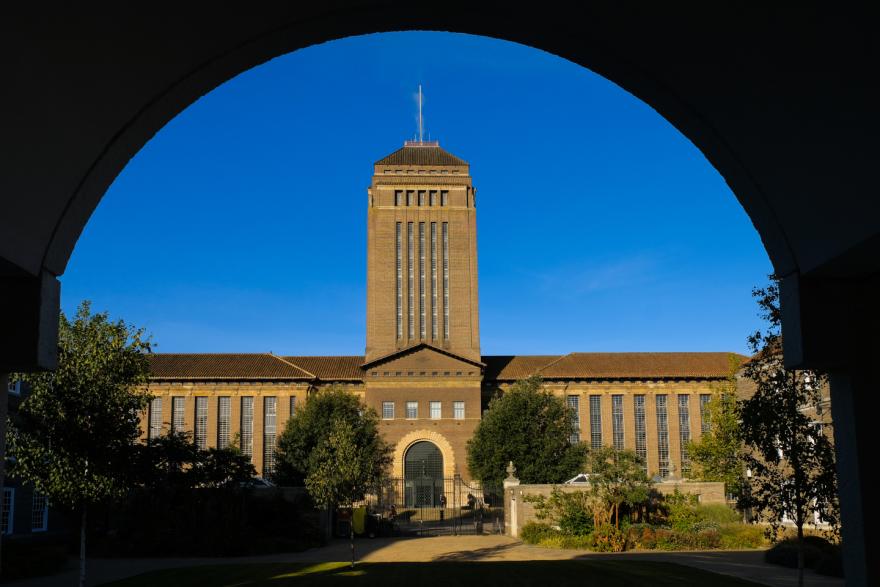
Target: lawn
{"x": 454, "y": 574}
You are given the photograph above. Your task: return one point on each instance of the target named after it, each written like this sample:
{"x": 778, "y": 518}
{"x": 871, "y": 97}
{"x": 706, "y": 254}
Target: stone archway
{"x": 405, "y": 443}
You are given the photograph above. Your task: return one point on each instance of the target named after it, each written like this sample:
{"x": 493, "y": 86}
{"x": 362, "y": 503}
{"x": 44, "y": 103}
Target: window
{"x": 224, "y": 415}
{"x": 409, "y": 197}
{"x": 7, "y": 512}
{"x": 422, "y": 322}
{"x": 387, "y": 410}
{"x": 14, "y": 387}
{"x": 411, "y": 279}
{"x": 641, "y": 437}
{"x": 596, "y": 421}
{"x": 446, "y": 280}
{"x": 398, "y": 198}
{"x": 270, "y": 418}
{"x": 293, "y": 403}
{"x": 399, "y": 283}
{"x": 422, "y": 198}
{"x": 433, "y": 201}
{"x": 617, "y": 421}
{"x": 684, "y": 430}
{"x": 247, "y": 426}
{"x": 662, "y": 435}
{"x": 177, "y": 415}
{"x": 200, "y": 434}
{"x": 155, "y": 418}
{"x": 433, "y": 279}
{"x": 39, "y": 513}
{"x": 436, "y": 411}
{"x": 444, "y": 198}
{"x": 573, "y": 403}
{"x": 704, "y": 412}
{"x": 458, "y": 410}
{"x": 412, "y": 410}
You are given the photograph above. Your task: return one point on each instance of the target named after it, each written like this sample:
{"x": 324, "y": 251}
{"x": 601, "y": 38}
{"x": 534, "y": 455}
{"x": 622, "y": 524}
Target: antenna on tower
{"x": 420, "y": 113}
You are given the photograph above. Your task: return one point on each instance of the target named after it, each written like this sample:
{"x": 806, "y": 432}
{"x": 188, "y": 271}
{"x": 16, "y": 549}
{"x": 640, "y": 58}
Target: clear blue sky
{"x": 600, "y": 227}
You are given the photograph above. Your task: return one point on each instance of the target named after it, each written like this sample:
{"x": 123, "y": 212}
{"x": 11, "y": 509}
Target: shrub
{"x": 535, "y": 532}
{"x": 565, "y": 541}
{"x": 717, "y": 513}
{"x": 819, "y": 553}
{"x": 576, "y": 522}
{"x": 607, "y": 538}
{"x": 738, "y": 535}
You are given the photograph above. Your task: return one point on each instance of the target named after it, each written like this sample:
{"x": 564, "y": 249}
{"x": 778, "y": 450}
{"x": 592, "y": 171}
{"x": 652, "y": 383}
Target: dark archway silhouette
{"x": 781, "y": 99}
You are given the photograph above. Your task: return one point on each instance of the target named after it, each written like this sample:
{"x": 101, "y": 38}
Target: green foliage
{"x": 173, "y": 460}
{"x": 717, "y": 513}
{"x": 343, "y": 470}
{"x": 819, "y": 555}
{"x": 75, "y": 435}
{"x": 717, "y": 455}
{"x": 570, "y": 511}
{"x": 617, "y": 478}
{"x": 792, "y": 465}
{"x": 736, "y": 535}
{"x": 310, "y": 428}
{"x": 608, "y": 538}
{"x": 531, "y": 427}
{"x": 535, "y": 532}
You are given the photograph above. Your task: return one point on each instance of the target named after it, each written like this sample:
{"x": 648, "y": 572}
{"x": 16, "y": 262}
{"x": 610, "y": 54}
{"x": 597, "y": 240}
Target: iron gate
{"x": 429, "y": 506}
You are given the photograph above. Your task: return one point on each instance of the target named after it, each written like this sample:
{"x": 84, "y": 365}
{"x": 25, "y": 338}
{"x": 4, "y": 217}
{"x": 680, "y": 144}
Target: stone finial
{"x": 511, "y": 470}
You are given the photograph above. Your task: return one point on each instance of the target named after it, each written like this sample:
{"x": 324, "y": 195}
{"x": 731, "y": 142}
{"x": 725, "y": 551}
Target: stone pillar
{"x": 511, "y": 502}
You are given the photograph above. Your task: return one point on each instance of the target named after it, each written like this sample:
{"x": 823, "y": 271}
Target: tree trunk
{"x": 351, "y": 534}
{"x": 82, "y": 549}
{"x": 800, "y": 535}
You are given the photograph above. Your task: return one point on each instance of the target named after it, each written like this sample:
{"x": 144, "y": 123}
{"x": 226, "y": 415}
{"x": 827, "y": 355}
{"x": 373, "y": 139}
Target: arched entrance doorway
{"x": 423, "y": 475}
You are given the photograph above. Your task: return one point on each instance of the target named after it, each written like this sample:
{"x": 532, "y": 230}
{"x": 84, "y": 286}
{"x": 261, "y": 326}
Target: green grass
{"x": 454, "y": 574}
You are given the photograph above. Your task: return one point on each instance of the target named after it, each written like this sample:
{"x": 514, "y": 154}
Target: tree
{"x": 297, "y": 454}
{"x": 531, "y": 427}
{"x": 617, "y": 477}
{"x": 718, "y": 454}
{"x": 75, "y": 434}
{"x": 344, "y": 471}
{"x": 792, "y": 464}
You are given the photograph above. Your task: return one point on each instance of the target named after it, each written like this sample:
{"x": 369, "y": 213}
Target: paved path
{"x": 744, "y": 564}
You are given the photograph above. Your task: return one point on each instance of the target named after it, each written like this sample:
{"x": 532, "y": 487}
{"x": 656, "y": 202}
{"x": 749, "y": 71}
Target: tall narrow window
{"x": 399, "y": 283}
{"x": 409, "y": 198}
{"x": 433, "y": 198}
{"x": 200, "y": 433}
{"x": 434, "y": 280}
{"x": 412, "y": 410}
{"x": 662, "y": 436}
{"x": 224, "y": 417}
{"x": 446, "y": 280}
{"x": 684, "y": 430}
{"x": 155, "y": 418}
{"x": 39, "y": 513}
{"x": 436, "y": 412}
{"x": 704, "y": 412}
{"x": 247, "y": 426}
{"x": 270, "y": 417}
{"x": 595, "y": 422}
{"x": 422, "y": 198}
{"x": 292, "y": 405}
{"x": 573, "y": 402}
{"x": 641, "y": 437}
{"x": 398, "y": 198}
{"x": 7, "y": 512}
{"x": 177, "y": 415}
{"x": 458, "y": 410}
{"x": 423, "y": 325}
{"x": 387, "y": 410}
{"x": 444, "y": 198}
{"x": 617, "y": 421}
{"x": 411, "y": 279}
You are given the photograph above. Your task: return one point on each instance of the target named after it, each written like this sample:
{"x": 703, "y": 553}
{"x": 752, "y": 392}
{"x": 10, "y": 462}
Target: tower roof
{"x": 421, "y": 153}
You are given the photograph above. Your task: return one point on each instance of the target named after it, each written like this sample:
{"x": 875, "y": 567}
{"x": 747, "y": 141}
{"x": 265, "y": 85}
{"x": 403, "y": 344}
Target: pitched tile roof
{"x": 223, "y": 366}
{"x": 640, "y": 365}
{"x": 421, "y": 155}
{"x": 331, "y": 368}
{"x": 512, "y": 367}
